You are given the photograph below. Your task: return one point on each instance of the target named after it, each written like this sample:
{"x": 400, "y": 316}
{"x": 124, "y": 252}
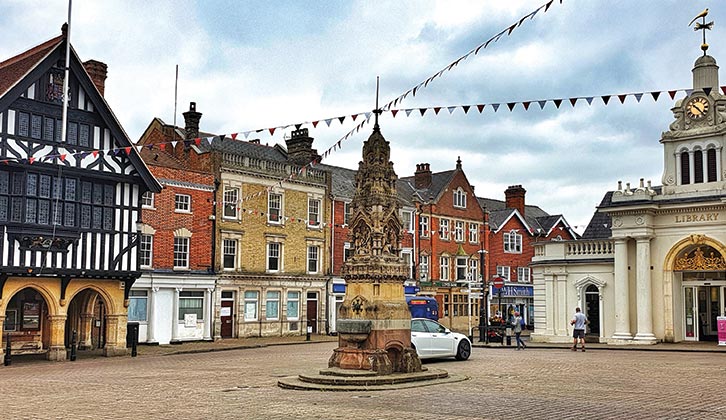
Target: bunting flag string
{"x": 508, "y": 31}
{"x": 510, "y": 105}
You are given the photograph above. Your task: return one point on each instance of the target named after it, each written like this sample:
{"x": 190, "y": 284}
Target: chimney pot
{"x": 98, "y": 72}
{"x": 191, "y": 123}
{"x": 514, "y": 198}
{"x": 422, "y": 176}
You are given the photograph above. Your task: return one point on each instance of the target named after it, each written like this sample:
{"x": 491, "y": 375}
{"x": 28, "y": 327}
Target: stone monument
{"x": 374, "y": 323}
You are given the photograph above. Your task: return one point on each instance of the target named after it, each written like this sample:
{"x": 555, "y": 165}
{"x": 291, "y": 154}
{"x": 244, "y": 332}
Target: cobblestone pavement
{"x": 533, "y": 383}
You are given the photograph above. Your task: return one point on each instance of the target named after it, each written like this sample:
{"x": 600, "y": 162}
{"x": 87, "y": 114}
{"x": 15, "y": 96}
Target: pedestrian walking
{"x": 579, "y": 321}
{"x": 518, "y": 326}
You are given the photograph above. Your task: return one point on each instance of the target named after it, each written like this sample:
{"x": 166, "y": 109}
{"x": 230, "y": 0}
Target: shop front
{"x": 505, "y": 301}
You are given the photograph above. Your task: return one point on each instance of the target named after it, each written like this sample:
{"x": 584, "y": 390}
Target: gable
{"x": 31, "y": 113}
{"x": 515, "y": 217}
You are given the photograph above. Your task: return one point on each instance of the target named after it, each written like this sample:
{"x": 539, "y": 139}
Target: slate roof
{"x": 599, "y": 226}
{"x": 439, "y": 181}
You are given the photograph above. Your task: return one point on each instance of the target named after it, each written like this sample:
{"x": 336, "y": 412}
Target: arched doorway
{"x": 702, "y": 270}
{"x": 589, "y": 295}
{"x": 27, "y": 323}
{"x": 86, "y": 322}
{"x": 592, "y": 309}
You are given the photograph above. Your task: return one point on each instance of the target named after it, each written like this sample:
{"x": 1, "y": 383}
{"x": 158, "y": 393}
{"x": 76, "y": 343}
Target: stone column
{"x": 561, "y": 322}
{"x": 115, "y": 335}
{"x": 151, "y": 319}
{"x": 57, "y": 349}
{"x": 678, "y": 169}
{"x": 2, "y": 338}
{"x": 718, "y": 164}
{"x": 644, "y": 293}
{"x": 550, "y": 308}
{"x": 84, "y": 335}
{"x": 704, "y": 165}
{"x": 622, "y": 292}
{"x": 208, "y": 313}
{"x": 175, "y": 316}
{"x": 691, "y": 169}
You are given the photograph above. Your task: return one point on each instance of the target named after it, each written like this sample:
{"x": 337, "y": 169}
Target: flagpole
{"x": 66, "y": 75}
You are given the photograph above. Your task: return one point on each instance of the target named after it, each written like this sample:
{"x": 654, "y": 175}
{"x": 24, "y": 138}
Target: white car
{"x": 431, "y": 340}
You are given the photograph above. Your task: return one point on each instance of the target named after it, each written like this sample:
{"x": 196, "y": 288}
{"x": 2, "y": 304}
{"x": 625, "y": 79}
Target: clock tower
{"x": 693, "y": 145}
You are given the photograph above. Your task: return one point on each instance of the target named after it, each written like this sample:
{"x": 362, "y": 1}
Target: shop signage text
{"x": 514, "y": 291}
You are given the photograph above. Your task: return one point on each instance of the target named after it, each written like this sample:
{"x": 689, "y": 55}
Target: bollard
{"x": 7, "y": 360}
{"x": 74, "y": 337}
{"x": 307, "y": 335}
{"x": 509, "y": 336}
{"x": 134, "y": 340}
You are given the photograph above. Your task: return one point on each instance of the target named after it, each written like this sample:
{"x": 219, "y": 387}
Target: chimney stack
{"x": 191, "y": 123}
{"x": 98, "y": 72}
{"x": 514, "y": 197}
{"x": 300, "y": 147}
{"x": 422, "y": 176}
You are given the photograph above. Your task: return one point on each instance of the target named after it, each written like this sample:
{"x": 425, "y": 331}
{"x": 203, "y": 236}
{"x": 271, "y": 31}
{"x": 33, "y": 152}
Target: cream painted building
{"x": 650, "y": 266}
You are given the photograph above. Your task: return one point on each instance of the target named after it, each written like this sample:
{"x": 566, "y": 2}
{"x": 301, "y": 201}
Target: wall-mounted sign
{"x": 190, "y": 320}
{"x": 226, "y": 311}
{"x": 514, "y": 291}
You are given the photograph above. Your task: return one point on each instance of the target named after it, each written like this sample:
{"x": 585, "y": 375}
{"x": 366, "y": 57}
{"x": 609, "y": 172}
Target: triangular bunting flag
{"x": 605, "y": 99}
{"x": 655, "y": 95}
{"x": 127, "y": 150}
{"x": 408, "y": 111}
{"x": 139, "y": 148}
{"x": 437, "y": 109}
{"x": 672, "y": 93}
{"x": 542, "y": 104}
{"x": 272, "y": 130}
{"x": 162, "y": 146}
{"x": 328, "y": 121}
{"x": 589, "y": 100}
{"x": 173, "y": 144}
{"x": 622, "y": 98}
{"x": 234, "y": 136}
{"x": 557, "y": 102}
{"x": 354, "y": 116}
{"x": 150, "y": 146}
{"x": 723, "y": 89}
{"x": 422, "y": 111}
{"x": 198, "y": 141}
{"x": 63, "y": 157}
{"x": 298, "y": 126}
{"x": 368, "y": 116}
{"x": 547, "y": 6}
{"x": 341, "y": 119}
{"x": 573, "y": 101}
{"x": 394, "y": 112}
{"x": 707, "y": 91}
{"x": 689, "y": 92}
{"x": 495, "y": 106}
{"x": 246, "y": 134}
{"x": 315, "y": 124}
{"x": 465, "y": 108}
{"x": 451, "y": 109}
{"x": 526, "y": 105}
{"x": 638, "y": 96}
{"x": 480, "y": 107}
{"x": 511, "y": 105}
{"x": 31, "y": 160}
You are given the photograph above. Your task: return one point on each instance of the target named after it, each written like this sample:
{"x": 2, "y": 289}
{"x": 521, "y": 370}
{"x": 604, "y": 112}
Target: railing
{"x": 590, "y": 248}
{"x": 281, "y": 169}
{"x": 572, "y": 250}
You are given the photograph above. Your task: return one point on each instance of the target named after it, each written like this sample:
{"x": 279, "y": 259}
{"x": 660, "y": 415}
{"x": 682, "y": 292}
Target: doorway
{"x": 702, "y": 306}
{"x": 592, "y": 309}
{"x": 227, "y": 315}
{"x": 312, "y": 311}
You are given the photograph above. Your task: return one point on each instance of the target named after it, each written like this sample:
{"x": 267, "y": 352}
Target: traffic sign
{"x": 498, "y": 282}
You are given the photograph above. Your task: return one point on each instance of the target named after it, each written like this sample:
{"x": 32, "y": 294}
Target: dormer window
{"x": 460, "y": 198}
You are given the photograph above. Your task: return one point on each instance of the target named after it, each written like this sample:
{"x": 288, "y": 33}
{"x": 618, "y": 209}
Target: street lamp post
{"x": 484, "y": 305}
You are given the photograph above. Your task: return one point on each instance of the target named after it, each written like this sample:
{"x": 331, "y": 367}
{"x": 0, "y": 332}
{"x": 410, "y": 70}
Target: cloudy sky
{"x": 259, "y": 64}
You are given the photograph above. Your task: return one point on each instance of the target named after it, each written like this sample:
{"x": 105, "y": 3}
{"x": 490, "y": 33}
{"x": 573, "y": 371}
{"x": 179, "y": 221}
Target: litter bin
{"x": 132, "y": 337}
{"x": 509, "y": 336}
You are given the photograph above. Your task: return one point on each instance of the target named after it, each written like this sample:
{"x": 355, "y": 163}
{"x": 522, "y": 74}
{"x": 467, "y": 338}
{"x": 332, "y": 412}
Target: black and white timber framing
{"x": 73, "y": 215}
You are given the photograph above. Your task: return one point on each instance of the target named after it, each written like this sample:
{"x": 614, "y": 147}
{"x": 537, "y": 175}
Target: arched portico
{"x": 32, "y": 320}
{"x": 98, "y": 317}
{"x": 690, "y": 263}
{"x": 590, "y": 299}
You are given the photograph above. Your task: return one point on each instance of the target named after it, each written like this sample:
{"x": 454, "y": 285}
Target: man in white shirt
{"x": 579, "y": 322}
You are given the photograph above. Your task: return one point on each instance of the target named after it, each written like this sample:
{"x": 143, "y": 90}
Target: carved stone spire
{"x": 376, "y": 226}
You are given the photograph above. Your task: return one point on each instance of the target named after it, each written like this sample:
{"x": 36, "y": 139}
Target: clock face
{"x": 697, "y": 108}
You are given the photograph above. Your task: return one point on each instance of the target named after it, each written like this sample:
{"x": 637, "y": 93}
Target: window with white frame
{"x": 147, "y": 200}
{"x": 444, "y": 268}
{"x": 272, "y": 305}
{"x": 251, "y": 305}
{"x": 459, "y": 231}
{"x": 347, "y": 212}
{"x": 138, "y": 300}
{"x": 293, "y": 305}
{"x": 523, "y": 274}
{"x": 444, "y": 229}
{"x": 181, "y": 252}
{"x": 512, "y": 242}
{"x": 460, "y": 198}
{"x": 407, "y": 219}
{"x": 473, "y": 232}
{"x": 231, "y": 198}
{"x": 423, "y": 226}
{"x": 191, "y": 302}
{"x": 313, "y": 259}
{"x": 145, "y": 250}
{"x": 229, "y": 254}
{"x": 274, "y": 256}
{"x": 182, "y": 203}
{"x": 423, "y": 267}
{"x": 474, "y": 269}
{"x": 503, "y": 272}
{"x": 274, "y": 208}
{"x": 347, "y": 251}
{"x": 313, "y": 212}
{"x": 406, "y": 255}
{"x": 462, "y": 265}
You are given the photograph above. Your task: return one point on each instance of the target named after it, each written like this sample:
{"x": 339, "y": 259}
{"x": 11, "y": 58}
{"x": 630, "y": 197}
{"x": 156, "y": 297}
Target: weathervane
{"x": 702, "y": 26}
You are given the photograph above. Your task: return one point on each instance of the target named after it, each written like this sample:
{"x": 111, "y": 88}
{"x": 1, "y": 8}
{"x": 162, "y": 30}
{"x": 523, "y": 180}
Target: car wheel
{"x": 464, "y": 350}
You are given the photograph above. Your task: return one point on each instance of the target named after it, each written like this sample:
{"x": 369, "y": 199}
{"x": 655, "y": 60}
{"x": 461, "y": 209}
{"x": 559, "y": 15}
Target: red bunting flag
{"x": 573, "y": 101}
{"x": 127, "y": 150}
{"x": 394, "y": 112}
{"x": 162, "y": 146}
{"x": 480, "y": 107}
{"x": 315, "y": 124}
{"x": 622, "y": 98}
{"x": 354, "y": 116}
{"x": 63, "y": 157}
{"x": 272, "y": 130}
{"x": 436, "y": 110}
{"x": 197, "y": 141}
{"x": 723, "y": 89}
{"x": 31, "y": 160}
{"x": 95, "y": 152}
{"x": 526, "y": 105}
{"x": 234, "y": 136}
{"x": 672, "y": 93}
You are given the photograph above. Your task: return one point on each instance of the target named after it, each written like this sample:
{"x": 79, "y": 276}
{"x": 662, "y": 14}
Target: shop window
{"x": 272, "y": 305}
{"x": 293, "y": 305}
{"x": 138, "y": 305}
{"x": 191, "y": 303}
{"x": 251, "y": 305}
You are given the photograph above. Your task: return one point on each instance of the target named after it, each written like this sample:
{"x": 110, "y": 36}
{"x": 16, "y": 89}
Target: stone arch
{"x": 107, "y": 299}
{"x": 48, "y": 296}
{"x": 582, "y": 284}
{"x": 668, "y": 276}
